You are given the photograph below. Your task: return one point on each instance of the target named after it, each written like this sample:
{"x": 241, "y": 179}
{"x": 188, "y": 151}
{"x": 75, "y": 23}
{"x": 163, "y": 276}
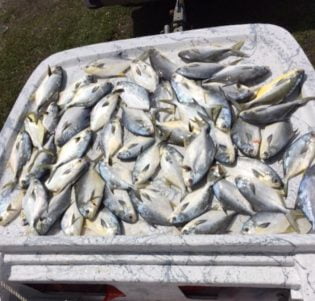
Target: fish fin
{"x": 49, "y": 72}
{"x": 235, "y": 62}
{"x": 252, "y": 188}
{"x": 214, "y": 112}
{"x": 291, "y": 216}
{"x": 264, "y": 225}
{"x": 95, "y": 89}
{"x": 286, "y": 186}
{"x": 237, "y": 106}
{"x": 238, "y": 45}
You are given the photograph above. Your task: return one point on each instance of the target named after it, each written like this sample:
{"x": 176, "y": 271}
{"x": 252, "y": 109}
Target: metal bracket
{"x": 179, "y": 18}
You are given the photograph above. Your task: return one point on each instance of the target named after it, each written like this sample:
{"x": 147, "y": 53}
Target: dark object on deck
{"x": 100, "y": 3}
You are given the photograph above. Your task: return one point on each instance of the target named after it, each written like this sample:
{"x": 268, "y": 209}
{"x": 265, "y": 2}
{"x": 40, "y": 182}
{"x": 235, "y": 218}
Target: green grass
{"x": 37, "y": 31}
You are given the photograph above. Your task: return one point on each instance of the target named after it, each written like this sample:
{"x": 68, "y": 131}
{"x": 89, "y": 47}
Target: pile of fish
{"x": 176, "y": 145}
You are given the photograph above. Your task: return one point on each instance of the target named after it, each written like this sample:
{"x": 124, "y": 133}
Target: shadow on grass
{"x": 293, "y": 15}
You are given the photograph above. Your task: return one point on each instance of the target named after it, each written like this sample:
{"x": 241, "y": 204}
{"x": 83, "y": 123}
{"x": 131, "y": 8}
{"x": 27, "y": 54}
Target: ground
{"x": 31, "y": 30}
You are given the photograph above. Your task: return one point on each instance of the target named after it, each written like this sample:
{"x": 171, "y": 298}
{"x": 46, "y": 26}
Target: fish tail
{"x": 305, "y": 100}
{"x": 292, "y": 216}
{"x": 238, "y": 45}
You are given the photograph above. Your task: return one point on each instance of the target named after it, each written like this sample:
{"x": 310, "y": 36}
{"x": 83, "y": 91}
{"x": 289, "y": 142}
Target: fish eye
{"x": 87, "y": 211}
{"x": 130, "y": 217}
{"x": 246, "y": 229}
{"x": 275, "y": 180}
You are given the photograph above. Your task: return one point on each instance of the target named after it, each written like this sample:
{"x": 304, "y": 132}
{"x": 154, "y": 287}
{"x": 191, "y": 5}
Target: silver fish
{"x": 146, "y": 164}
{"x": 104, "y": 224}
{"x": 199, "y": 70}
{"x": 103, "y": 111}
{"x": 211, "y": 54}
{"x": 211, "y": 222}
{"x": 230, "y": 197}
{"x": 72, "y": 220}
{"x": 39, "y": 164}
{"x": 50, "y": 87}
{"x": 299, "y": 156}
{"x": 265, "y": 223}
{"x": 35, "y": 128}
{"x": 152, "y": 208}
{"x": 111, "y": 139}
{"x": 260, "y": 196}
{"x": 10, "y": 203}
{"x": 144, "y": 75}
{"x": 20, "y": 154}
{"x": 137, "y": 122}
{"x": 51, "y": 118}
{"x": 266, "y": 114}
{"x": 87, "y": 96}
{"x": 89, "y": 191}
{"x": 76, "y": 147}
{"x": 109, "y": 67}
{"x": 305, "y": 196}
{"x": 118, "y": 201}
{"x": 134, "y": 147}
{"x": 115, "y": 177}
{"x": 171, "y": 166}
{"x": 247, "y": 137}
{"x": 66, "y": 174}
{"x": 254, "y": 169}
{"x": 67, "y": 96}
{"x": 192, "y": 205}
{"x": 240, "y": 74}
{"x": 133, "y": 95}
{"x": 198, "y": 157}
{"x": 278, "y": 90}
{"x": 35, "y": 202}
{"x": 161, "y": 64}
{"x": 56, "y": 207}
{"x": 73, "y": 121}
{"x": 275, "y": 137}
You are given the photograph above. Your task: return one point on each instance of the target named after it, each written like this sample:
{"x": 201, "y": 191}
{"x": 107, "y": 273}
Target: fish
{"x": 20, "y": 154}
{"x": 138, "y": 122}
{"x": 198, "y": 157}
{"x": 144, "y": 75}
{"x": 35, "y": 202}
{"x": 88, "y": 95}
{"x": 254, "y": 169}
{"x": 72, "y": 221}
{"x": 118, "y": 201}
{"x": 58, "y": 204}
{"x": 198, "y": 71}
{"x": 305, "y": 195}
{"x": 66, "y": 174}
{"x": 153, "y": 208}
{"x": 146, "y": 164}
{"x": 51, "y": 118}
{"x": 89, "y": 192}
{"x": 76, "y": 147}
{"x": 107, "y": 68}
{"x": 266, "y": 114}
{"x": 134, "y": 146}
{"x": 133, "y": 95}
{"x": 104, "y": 224}
{"x": 35, "y": 128}
{"x": 111, "y": 139}
{"x": 275, "y": 137}
{"x": 261, "y": 197}
{"x": 225, "y": 151}
{"x": 115, "y": 177}
{"x": 231, "y": 198}
{"x": 67, "y": 96}
{"x": 239, "y": 74}
{"x": 177, "y": 131}
{"x": 211, "y": 54}
{"x": 171, "y": 161}
{"x": 279, "y": 89}
{"x": 161, "y": 64}
{"x": 264, "y": 223}
{"x": 73, "y": 121}
{"x": 39, "y": 165}
{"x": 103, "y": 111}
{"x": 192, "y": 205}
{"x": 50, "y": 87}
{"x": 10, "y": 203}
{"x": 211, "y": 222}
{"x": 247, "y": 138}
{"x": 298, "y": 156}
